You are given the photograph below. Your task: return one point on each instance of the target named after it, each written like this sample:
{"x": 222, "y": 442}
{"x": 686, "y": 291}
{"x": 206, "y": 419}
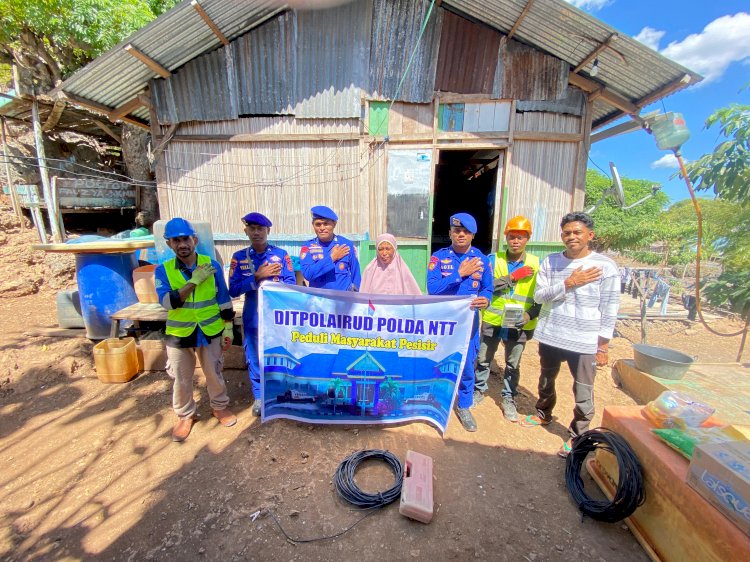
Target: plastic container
{"x": 152, "y": 355}
{"x": 116, "y": 360}
{"x": 69, "y": 309}
{"x": 105, "y": 285}
{"x": 143, "y": 282}
{"x": 670, "y": 130}
{"x": 676, "y": 409}
{"x": 203, "y": 232}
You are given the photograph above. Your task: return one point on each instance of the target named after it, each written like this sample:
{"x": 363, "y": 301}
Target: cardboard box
{"x": 721, "y": 474}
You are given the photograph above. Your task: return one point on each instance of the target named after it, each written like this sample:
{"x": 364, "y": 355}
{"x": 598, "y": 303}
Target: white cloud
{"x": 590, "y": 5}
{"x": 668, "y": 161}
{"x": 722, "y": 42}
{"x": 650, "y": 37}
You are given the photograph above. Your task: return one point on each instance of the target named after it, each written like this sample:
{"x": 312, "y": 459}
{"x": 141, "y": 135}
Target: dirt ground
{"x": 88, "y": 470}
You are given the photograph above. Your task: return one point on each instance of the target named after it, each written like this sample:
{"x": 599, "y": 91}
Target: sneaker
{"x": 478, "y": 397}
{"x": 256, "y": 408}
{"x": 509, "y": 410}
{"x": 466, "y": 419}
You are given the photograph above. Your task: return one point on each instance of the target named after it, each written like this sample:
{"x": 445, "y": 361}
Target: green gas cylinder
{"x": 670, "y": 130}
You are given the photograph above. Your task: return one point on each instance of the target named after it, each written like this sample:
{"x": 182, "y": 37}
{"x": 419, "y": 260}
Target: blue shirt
{"x": 321, "y": 271}
{"x": 242, "y": 277}
{"x": 164, "y": 289}
{"x": 443, "y": 277}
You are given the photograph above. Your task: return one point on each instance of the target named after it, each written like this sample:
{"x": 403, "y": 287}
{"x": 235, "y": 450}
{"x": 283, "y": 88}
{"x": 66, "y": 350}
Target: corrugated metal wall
{"x": 528, "y": 74}
{"x": 468, "y": 57}
{"x": 395, "y": 30}
{"x": 540, "y": 179}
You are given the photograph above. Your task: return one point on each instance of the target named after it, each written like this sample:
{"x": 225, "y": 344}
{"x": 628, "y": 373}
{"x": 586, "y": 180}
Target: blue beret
{"x": 256, "y": 218}
{"x": 465, "y": 220}
{"x": 323, "y": 212}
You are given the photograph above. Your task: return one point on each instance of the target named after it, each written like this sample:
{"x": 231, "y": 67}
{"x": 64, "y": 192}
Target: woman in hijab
{"x": 388, "y": 273}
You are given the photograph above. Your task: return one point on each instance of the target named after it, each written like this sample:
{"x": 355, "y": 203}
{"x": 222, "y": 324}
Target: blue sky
{"x": 711, "y": 38}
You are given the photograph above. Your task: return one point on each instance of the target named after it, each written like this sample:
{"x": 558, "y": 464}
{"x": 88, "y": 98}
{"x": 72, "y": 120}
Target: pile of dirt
{"x": 24, "y": 271}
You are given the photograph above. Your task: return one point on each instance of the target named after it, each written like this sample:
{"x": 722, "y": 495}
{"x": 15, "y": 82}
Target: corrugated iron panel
{"x": 205, "y": 179}
{"x": 395, "y": 31}
{"x": 265, "y": 63}
{"x": 172, "y": 39}
{"x": 547, "y": 122}
{"x": 280, "y": 125}
{"x": 529, "y": 74}
{"x": 468, "y": 56}
{"x": 572, "y": 103}
{"x": 540, "y": 185}
{"x": 202, "y": 90}
{"x": 333, "y": 50}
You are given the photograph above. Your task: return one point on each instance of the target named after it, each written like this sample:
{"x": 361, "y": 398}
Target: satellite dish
{"x": 618, "y": 193}
{"x": 616, "y": 190}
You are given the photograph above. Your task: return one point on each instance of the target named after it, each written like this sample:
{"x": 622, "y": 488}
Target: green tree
{"x": 726, "y": 170}
{"x": 49, "y": 39}
{"x": 621, "y": 229}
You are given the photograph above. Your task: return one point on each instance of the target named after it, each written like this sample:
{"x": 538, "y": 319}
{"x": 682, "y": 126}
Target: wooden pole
{"x": 41, "y": 160}
{"x": 36, "y": 213}
{"x": 744, "y": 338}
{"x": 13, "y": 195}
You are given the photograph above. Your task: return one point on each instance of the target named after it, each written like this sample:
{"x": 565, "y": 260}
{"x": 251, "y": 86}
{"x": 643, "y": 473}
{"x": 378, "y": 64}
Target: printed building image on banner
{"x": 340, "y": 357}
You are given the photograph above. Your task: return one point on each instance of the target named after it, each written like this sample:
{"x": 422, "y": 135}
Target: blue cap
{"x": 177, "y": 227}
{"x": 257, "y": 218}
{"x": 465, "y": 220}
{"x": 323, "y": 212}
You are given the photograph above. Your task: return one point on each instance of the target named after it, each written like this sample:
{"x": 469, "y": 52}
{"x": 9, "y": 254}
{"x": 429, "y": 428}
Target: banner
{"x": 341, "y": 357}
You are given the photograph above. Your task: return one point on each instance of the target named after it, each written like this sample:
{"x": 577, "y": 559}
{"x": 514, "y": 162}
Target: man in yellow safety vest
{"x": 511, "y": 316}
{"x": 200, "y": 318}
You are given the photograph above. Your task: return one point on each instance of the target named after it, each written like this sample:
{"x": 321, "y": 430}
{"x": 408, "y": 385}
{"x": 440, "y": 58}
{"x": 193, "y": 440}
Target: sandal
{"x": 565, "y": 450}
{"x": 533, "y": 421}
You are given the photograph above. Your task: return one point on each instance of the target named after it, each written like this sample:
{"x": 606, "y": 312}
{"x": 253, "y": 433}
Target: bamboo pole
{"x": 13, "y": 195}
{"x": 41, "y": 160}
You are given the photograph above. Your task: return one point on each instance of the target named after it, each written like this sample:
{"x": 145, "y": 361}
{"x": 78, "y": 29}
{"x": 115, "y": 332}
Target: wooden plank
{"x": 124, "y": 109}
{"x": 595, "y": 53}
{"x": 395, "y": 120}
{"x": 451, "y": 97}
{"x": 148, "y": 61}
{"x": 209, "y": 22}
{"x": 471, "y": 117}
{"x": 520, "y": 19}
{"x": 547, "y": 137}
{"x": 501, "y": 119}
{"x": 107, "y": 130}
{"x": 36, "y": 214}
{"x": 621, "y": 129}
{"x": 611, "y": 98}
{"x": 451, "y": 117}
{"x": 44, "y": 173}
{"x": 250, "y": 137}
{"x": 486, "y": 117}
{"x": 409, "y": 122}
{"x": 377, "y": 121}
{"x": 103, "y": 109}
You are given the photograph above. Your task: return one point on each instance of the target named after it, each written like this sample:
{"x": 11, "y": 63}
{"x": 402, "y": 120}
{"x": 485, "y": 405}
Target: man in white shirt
{"x": 579, "y": 291}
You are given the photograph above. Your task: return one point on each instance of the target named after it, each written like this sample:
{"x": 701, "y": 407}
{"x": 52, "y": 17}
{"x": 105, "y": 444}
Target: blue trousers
{"x": 465, "y": 396}
{"x": 250, "y": 344}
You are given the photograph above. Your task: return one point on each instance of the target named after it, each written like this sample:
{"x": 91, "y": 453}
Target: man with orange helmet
{"x": 514, "y": 281}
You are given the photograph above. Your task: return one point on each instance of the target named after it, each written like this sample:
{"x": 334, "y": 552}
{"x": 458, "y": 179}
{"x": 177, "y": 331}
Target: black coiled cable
{"x": 348, "y": 490}
{"x": 630, "y": 492}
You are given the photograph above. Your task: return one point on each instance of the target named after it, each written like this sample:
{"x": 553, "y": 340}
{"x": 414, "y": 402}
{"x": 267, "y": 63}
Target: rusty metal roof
{"x": 630, "y": 69}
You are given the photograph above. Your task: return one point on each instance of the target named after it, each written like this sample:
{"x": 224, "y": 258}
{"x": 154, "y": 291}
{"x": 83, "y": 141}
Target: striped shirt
{"x": 574, "y": 319}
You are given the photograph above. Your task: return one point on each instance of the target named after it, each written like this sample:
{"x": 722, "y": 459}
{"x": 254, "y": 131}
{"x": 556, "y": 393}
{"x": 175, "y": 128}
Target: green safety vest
{"x": 200, "y": 308}
{"x": 523, "y": 292}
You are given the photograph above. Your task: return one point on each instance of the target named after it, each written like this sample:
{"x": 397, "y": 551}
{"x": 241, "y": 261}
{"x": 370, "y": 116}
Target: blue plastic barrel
{"x": 105, "y": 285}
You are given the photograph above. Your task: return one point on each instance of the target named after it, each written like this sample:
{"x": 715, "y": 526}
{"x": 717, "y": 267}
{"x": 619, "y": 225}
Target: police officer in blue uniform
{"x": 258, "y": 263}
{"x": 463, "y": 270}
{"x": 329, "y": 261}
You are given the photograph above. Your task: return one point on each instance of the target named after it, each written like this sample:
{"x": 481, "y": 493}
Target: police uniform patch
{"x": 288, "y": 261}
{"x": 303, "y": 252}
{"x": 232, "y": 266}
{"x": 433, "y": 263}
{"x": 447, "y": 260}
{"x": 474, "y": 284}
{"x": 456, "y": 222}
{"x": 342, "y": 266}
{"x": 274, "y": 259}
